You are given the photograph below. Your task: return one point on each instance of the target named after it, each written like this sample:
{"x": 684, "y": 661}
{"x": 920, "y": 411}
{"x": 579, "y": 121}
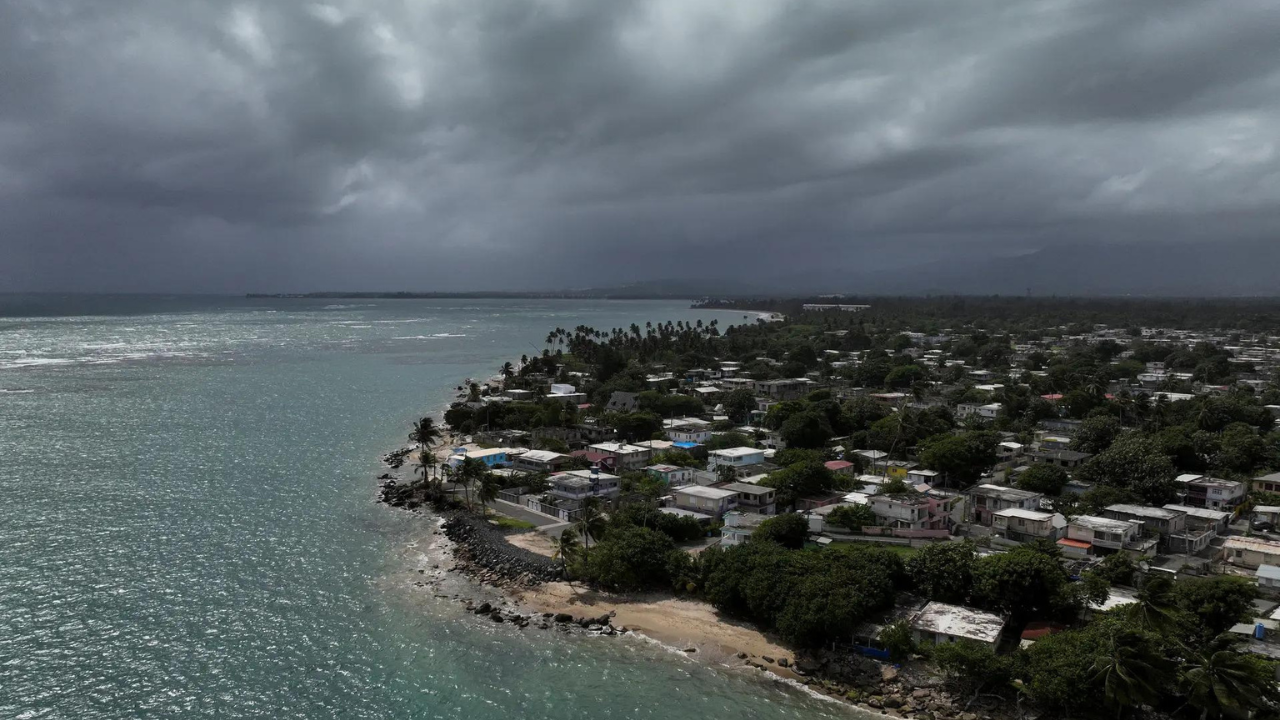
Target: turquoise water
{"x": 188, "y": 525}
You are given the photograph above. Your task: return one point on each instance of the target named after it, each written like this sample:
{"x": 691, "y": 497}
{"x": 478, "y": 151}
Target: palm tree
{"x": 1222, "y": 682}
{"x": 1130, "y": 673}
{"x": 425, "y": 432}
{"x": 469, "y": 474}
{"x": 590, "y": 523}
{"x": 1155, "y": 608}
{"x": 473, "y": 393}
{"x": 566, "y": 548}
{"x": 488, "y": 489}
{"x": 508, "y": 372}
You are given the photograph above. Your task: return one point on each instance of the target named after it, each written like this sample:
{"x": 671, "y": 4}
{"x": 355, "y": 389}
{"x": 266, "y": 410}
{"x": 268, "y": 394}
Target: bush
{"x": 1044, "y": 478}
{"x": 852, "y": 517}
{"x": 971, "y": 667}
{"x": 790, "y": 530}
{"x": 631, "y": 559}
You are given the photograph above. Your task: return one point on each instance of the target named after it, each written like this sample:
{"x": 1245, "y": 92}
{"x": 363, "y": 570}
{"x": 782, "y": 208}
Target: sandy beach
{"x": 678, "y": 623}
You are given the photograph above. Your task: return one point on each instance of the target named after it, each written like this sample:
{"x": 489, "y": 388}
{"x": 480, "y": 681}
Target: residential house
{"x": 758, "y": 499}
{"x": 920, "y": 476}
{"x": 1066, "y": 459}
{"x": 1251, "y": 552}
{"x": 987, "y": 500}
{"x": 625, "y": 457}
{"x": 1199, "y": 518}
{"x": 916, "y": 511}
{"x": 1024, "y": 525}
{"x": 1089, "y": 534}
{"x": 939, "y": 623}
{"x": 738, "y": 527}
{"x": 740, "y": 458}
{"x": 1212, "y": 493}
{"x": 987, "y": 411}
{"x": 1268, "y": 576}
{"x": 688, "y": 430}
{"x": 712, "y": 501}
{"x": 570, "y": 490}
{"x": 841, "y": 468}
{"x": 492, "y": 457}
{"x": 539, "y": 461}
{"x": 785, "y": 389}
{"x": 1268, "y": 483}
{"x": 672, "y": 475}
{"x": 581, "y": 484}
{"x": 1169, "y": 526}
{"x": 1008, "y": 449}
{"x": 1266, "y": 515}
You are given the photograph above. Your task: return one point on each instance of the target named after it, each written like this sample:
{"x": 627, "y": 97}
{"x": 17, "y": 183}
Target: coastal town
{"x": 940, "y": 510}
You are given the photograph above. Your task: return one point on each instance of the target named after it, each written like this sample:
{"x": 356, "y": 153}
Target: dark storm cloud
{"x": 207, "y": 145}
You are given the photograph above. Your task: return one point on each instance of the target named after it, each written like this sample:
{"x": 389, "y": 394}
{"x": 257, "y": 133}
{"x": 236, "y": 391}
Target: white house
{"x": 938, "y": 623}
{"x": 1022, "y": 525}
{"x": 1099, "y": 532}
{"x": 737, "y": 458}
{"x": 738, "y": 527}
{"x": 708, "y": 500}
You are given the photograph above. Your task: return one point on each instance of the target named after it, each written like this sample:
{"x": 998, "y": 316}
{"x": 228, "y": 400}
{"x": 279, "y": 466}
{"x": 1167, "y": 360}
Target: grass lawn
{"x": 903, "y": 550}
{"x": 503, "y": 521}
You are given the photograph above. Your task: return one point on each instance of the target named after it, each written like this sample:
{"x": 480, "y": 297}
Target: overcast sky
{"x": 207, "y": 145}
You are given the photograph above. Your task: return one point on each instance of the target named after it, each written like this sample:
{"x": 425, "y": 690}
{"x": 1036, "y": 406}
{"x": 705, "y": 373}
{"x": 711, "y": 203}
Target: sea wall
{"x": 484, "y": 545}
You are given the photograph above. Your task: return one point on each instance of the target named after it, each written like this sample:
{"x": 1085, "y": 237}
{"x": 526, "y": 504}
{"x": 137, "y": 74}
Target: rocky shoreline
{"x": 481, "y": 553}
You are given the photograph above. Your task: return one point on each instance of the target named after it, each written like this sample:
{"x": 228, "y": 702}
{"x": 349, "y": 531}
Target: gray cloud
{"x": 213, "y": 146}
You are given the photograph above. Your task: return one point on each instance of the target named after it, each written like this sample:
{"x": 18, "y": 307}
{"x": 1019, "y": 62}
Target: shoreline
{"x": 490, "y": 575}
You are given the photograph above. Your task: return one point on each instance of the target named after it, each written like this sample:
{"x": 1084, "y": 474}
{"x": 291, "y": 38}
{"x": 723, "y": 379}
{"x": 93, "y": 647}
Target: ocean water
{"x": 188, "y": 525}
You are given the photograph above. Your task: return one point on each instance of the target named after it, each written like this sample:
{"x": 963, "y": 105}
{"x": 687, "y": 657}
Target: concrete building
{"x": 711, "y": 501}
{"x": 756, "y": 499}
{"x": 672, "y": 475}
{"x": 939, "y": 623}
{"x": 1212, "y": 493}
{"x": 987, "y": 500}
{"x": 625, "y": 457}
{"x": 1268, "y": 483}
{"x": 1092, "y": 535}
{"x": 1024, "y": 525}
{"x": 539, "y": 461}
{"x": 581, "y": 484}
{"x": 1154, "y": 520}
{"x": 1250, "y": 552}
{"x": 739, "y": 458}
{"x": 738, "y": 527}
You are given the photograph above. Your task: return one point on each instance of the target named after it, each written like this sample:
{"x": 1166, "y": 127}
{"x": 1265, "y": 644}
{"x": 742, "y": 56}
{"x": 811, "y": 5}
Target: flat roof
{"x": 1026, "y": 514}
{"x": 1004, "y": 493}
{"x": 1202, "y": 513}
{"x": 1143, "y": 511}
{"x": 1270, "y": 572}
{"x": 618, "y": 448}
{"x": 542, "y": 455}
{"x": 1254, "y": 544}
{"x": 1266, "y": 508}
{"x": 958, "y": 621}
{"x": 684, "y": 513}
{"x": 1093, "y": 522}
{"x": 708, "y": 493}
{"x": 736, "y": 452}
{"x": 587, "y": 474}
{"x": 748, "y": 489}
